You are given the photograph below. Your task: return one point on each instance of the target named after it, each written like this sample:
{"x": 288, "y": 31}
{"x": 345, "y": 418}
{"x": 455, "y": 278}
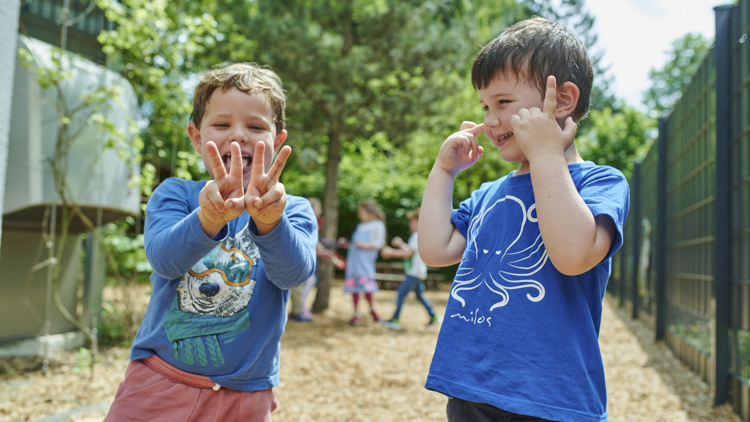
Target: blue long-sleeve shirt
{"x": 218, "y": 306}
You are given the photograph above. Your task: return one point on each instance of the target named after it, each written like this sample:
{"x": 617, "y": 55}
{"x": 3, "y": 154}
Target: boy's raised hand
{"x": 537, "y": 131}
{"x": 220, "y": 199}
{"x": 461, "y": 150}
{"x": 265, "y": 198}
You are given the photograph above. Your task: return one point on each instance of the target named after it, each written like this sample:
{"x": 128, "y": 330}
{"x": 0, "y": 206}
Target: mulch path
{"x": 331, "y": 371}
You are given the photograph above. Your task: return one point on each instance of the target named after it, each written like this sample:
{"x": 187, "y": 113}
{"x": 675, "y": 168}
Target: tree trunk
{"x": 330, "y": 219}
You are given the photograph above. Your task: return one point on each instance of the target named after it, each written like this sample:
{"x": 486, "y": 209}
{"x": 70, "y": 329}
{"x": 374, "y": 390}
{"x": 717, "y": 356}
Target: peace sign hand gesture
{"x": 537, "y": 132}
{"x": 220, "y": 199}
{"x": 265, "y": 198}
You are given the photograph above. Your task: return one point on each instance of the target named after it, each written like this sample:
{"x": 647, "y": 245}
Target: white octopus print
{"x": 513, "y": 265}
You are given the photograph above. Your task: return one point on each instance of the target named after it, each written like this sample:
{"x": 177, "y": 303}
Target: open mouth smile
{"x": 503, "y": 138}
{"x": 247, "y": 161}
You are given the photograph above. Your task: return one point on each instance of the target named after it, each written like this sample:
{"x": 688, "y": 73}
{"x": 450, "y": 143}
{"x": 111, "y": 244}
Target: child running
{"x": 225, "y": 253}
{"x": 519, "y": 338}
{"x": 368, "y": 238}
{"x": 415, "y": 270}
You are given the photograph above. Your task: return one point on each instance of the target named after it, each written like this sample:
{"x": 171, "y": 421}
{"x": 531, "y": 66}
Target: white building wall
{"x": 8, "y": 33}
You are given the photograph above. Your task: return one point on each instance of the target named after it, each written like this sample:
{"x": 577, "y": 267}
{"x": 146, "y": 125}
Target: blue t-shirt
{"x": 218, "y": 306}
{"x": 518, "y": 334}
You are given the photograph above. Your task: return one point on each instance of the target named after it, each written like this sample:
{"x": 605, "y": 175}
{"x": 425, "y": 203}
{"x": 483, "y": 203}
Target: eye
{"x": 502, "y": 102}
{"x": 256, "y": 127}
{"x": 220, "y": 125}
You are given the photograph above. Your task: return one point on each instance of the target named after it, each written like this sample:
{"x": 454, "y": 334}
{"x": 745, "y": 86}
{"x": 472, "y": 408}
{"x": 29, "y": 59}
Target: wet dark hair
{"x": 532, "y": 50}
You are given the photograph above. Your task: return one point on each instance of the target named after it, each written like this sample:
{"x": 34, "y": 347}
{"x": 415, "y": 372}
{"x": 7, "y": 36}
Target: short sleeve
{"x": 606, "y": 192}
{"x": 378, "y": 235}
{"x": 462, "y": 216}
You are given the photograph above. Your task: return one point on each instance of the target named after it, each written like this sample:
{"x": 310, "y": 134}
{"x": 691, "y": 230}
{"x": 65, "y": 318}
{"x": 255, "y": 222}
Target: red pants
{"x": 153, "y": 390}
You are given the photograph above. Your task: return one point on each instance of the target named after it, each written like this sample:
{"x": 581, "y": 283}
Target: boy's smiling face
{"x": 236, "y": 116}
{"x": 501, "y": 100}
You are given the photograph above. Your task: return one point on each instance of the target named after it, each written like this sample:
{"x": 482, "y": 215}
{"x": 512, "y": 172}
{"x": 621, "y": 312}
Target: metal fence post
{"x": 635, "y": 212}
{"x": 722, "y": 48}
{"x": 623, "y": 274}
{"x": 661, "y": 230}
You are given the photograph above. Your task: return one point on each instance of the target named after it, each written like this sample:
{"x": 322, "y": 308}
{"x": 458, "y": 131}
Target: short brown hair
{"x": 413, "y": 214}
{"x": 535, "y": 49}
{"x": 247, "y": 77}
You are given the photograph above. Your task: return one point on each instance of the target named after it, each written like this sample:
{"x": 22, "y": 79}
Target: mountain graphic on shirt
{"x": 211, "y": 306}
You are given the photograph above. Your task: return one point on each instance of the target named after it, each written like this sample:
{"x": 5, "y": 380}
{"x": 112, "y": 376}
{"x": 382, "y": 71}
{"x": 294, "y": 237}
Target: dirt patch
{"x": 331, "y": 371}
{"x": 645, "y": 380}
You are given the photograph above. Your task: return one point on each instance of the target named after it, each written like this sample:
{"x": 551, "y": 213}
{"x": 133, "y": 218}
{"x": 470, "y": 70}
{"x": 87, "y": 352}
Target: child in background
{"x": 415, "y": 270}
{"x": 225, "y": 253}
{"x": 299, "y": 311}
{"x": 368, "y": 238}
{"x": 520, "y": 336}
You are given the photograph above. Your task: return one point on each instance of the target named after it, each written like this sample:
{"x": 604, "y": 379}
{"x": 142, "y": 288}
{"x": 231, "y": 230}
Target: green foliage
{"x": 84, "y": 359}
{"x": 153, "y": 46}
{"x": 617, "y": 138}
{"x": 683, "y": 59}
{"x": 384, "y": 81}
{"x": 114, "y": 326}
{"x": 574, "y": 15}
{"x": 127, "y": 249}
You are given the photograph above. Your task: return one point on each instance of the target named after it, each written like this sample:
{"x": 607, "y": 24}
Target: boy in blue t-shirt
{"x": 225, "y": 253}
{"x": 520, "y": 333}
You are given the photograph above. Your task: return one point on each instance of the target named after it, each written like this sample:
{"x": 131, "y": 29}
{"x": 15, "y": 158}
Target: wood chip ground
{"x": 332, "y": 372}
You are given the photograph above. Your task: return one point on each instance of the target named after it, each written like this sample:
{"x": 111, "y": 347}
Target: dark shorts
{"x": 153, "y": 390}
{"x": 459, "y": 410}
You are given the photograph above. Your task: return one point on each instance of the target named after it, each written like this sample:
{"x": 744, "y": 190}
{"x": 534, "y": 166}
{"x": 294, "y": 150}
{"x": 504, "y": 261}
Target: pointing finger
{"x": 476, "y": 130}
{"x": 550, "y": 97}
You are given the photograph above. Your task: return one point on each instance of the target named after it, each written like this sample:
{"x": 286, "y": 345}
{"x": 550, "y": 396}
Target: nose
{"x": 491, "y": 119}
{"x": 239, "y": 134}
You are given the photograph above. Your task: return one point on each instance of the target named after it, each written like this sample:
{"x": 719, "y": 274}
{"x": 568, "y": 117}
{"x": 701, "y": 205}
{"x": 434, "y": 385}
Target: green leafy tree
{"x": 683, "y": 58}
{"x": 154, "y": 45}
{"x": 574, "y": 15}
{"x": 617, "y": 138}
{"x": 360, "y": 75}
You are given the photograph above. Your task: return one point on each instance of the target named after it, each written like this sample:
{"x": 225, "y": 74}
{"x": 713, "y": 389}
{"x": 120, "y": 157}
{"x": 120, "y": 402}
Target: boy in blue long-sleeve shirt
{"x": 225, "y": 253}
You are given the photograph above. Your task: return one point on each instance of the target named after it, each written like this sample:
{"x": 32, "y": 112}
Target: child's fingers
{"x": 217, "y": 164}
{"x": 234, "y": 203}
{"x": 235, "y": 166}
{"x": 272, "y": 196}
{"x": 259, "y": 161}
{"x": 213, "y": 196}
{"x": 278, "y": 165}
{"x": 550, "y": 97}
{"x": 571, "y": 128}
{"x": 476, "y": 130}
{"x": 473, "y": 150}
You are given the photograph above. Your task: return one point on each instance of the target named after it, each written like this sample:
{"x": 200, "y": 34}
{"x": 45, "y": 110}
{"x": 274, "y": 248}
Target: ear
{"x": 280, "y": 138}
{"x": 195, "y": 136}
{"x": 567, "y": 100}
